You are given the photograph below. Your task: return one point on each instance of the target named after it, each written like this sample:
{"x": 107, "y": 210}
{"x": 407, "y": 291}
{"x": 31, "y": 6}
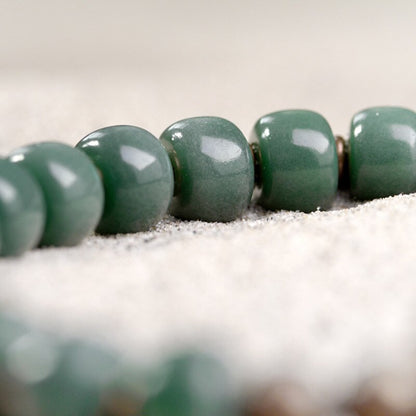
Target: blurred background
{"x": 69, "y": 67}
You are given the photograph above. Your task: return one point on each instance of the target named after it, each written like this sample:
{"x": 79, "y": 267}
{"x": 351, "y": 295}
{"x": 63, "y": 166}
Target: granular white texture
{"x": 321, "y": 297}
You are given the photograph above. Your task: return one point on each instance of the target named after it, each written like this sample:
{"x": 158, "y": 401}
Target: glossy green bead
{"x": 192, "y": 385}
{"x": 137, "y": 177}
{"x": 382, "y": 153}
{"x": 298, "y": 164}
{"x": 71, "y": 188}
{"x": 22, "y": 210}
{"x": 214, "y": 170}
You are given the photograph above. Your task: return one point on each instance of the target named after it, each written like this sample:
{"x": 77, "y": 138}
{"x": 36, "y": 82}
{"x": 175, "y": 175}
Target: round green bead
{"x": 137, "y": 177}
{"x": 298, "y": 161}
{"x": 22, "y": 210}
{"x": 192, "y": 385}
{"x": 214, "y": 170}
{"x": 71, "y": 188}
{"x": 382, "y": 153}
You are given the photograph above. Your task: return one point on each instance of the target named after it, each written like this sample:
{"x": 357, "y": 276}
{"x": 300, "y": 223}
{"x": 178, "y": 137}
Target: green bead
{"x": 22, "y": 210}
{"x": 71, "y": 188}
{"x": 298, "y": 161}
{"x": 10, "y": 331}
{"x": 31, "y": 358}
{"x": 27, "y": 358}
{"x": 382, "y": 153}
{"x": 75, "y": 383}
{"x": 56, "y": 379}
{"x": 137, "y": 176}
{"x": 192, "y": 385}
{"x": 214, "y": 170}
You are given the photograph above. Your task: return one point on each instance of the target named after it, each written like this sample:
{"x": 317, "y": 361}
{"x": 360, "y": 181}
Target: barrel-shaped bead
{"x": 297, "y": 158}
{"x": 382, "y": 153}
{"x": 213, "y": 166}
{"x": 22, "y": 210}
{"x": 137, "y": 177}
{"x": 71, "y": 187}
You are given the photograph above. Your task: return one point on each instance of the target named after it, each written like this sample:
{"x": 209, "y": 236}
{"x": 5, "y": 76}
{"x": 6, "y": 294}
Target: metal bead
{"x": 343, "y": 164}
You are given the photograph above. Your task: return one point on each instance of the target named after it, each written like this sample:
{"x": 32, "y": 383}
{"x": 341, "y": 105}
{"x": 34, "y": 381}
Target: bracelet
{"x": 210, "y": 163}
{"x": 121, "y": 179}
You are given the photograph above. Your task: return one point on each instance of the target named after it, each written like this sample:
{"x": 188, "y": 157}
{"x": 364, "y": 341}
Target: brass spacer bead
{"x": 343, "y": 161}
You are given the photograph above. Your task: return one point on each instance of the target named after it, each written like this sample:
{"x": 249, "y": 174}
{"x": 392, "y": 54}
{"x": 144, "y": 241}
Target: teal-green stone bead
{"x": 298, "y": 163}
{"x": 192, "y": 385}
{"x": 382, "y": 153}
{"x": 137, "y": 176}
{"x": 22, "y": 210}
{"x": 214, "y": 170}
{"x": 71, "y": 187}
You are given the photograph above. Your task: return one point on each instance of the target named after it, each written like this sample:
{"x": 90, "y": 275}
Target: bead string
{"x": 122, "y": 179}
